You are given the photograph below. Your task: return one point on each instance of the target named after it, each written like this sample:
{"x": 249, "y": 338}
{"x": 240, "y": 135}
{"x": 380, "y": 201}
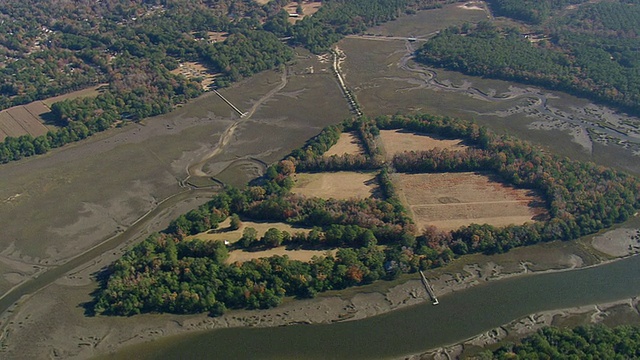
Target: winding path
{"x": 195, "y": 169}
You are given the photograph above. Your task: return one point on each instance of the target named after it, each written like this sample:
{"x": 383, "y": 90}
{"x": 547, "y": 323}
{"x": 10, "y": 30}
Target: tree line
{"x": 583, "y": 342}
{"x": 587, "y": 64}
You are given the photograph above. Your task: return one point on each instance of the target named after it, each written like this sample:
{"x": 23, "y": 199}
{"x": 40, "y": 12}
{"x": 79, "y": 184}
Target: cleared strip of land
{"x": 451, "y": 200}
{"x": 300, "y": 255}
{"x": 398, "y": 141}
{"x": 224, "y": 233}
{"x": 339, "y": 185}
{"x": 347, "y": 144}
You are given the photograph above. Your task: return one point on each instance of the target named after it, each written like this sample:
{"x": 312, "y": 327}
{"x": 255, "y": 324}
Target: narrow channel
{"x": 459, "y": 316}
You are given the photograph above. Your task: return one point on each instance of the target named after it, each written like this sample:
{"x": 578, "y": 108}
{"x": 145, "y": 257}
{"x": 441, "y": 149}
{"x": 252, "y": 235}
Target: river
{"x": 415, "y": 329}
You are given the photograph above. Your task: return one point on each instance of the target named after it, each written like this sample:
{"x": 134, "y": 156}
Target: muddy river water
{"x": 459, "y": 316}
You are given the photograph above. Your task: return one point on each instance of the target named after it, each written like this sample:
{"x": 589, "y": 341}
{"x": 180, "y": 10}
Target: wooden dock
{"x": 429, "y": 289}
{"x": 229, "y": 103}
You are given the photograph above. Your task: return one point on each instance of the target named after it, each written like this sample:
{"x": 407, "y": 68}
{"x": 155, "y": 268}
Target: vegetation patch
{"x": 398, "y": 141}
{"x": 338, "y": 185}
{"x": 449, "y": 201}
{"x": 348, "y": 143}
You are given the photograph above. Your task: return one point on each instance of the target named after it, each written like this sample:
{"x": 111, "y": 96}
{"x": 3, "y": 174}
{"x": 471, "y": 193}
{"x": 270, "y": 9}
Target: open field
{"x": 398, "y": 141}
{"x": 338, "y": 185}
{"x": 27, "y": 119}
{"x": 347, "y": 144}
{"x": 88, "y": 92}
{"x": 308, "y": 8}
{"x": 451, "y": 200}
{"x": 224, "y": 233}
{"x": 22, "y": 120}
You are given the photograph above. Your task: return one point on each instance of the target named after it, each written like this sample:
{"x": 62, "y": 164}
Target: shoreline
{"x": 55, "y": 322}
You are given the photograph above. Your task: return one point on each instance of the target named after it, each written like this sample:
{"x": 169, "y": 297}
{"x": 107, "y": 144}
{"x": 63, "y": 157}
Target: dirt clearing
{"x": 347, "y": 144}
{"x": 451, "y": 200}
{"x": 339, "y": 185}
{"x": 224, "y": 233}
{"x": 398, "y": 141}
{"x": 308, "y": 8}
{"x": 193, "y": 70}
{"x": 300, "y": 255}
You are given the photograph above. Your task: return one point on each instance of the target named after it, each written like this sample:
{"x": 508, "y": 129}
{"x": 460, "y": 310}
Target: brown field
{"x": 339, "y": 185}
{"x": 262, "y": 2}
{"x": 451, "y": 200}
{"x": 308, "y": 8}
{"x": 397, "y": 141}
{"x": 223, "y": 232}
{"x": 300, "y": 255}
{"x": 347, "y": 144}
{"x": 88, "y": 92}
{"x": 23, "y": 120}
{"x": 217, "y": 36}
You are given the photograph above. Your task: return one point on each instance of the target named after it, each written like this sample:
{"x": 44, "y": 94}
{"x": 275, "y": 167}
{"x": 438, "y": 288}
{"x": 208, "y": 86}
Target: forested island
{"x": 374, "y": 238}
{"x": 590, "y": 51}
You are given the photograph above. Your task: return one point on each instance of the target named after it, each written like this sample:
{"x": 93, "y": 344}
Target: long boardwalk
{"x": 229, "y": 103}
{"x": 430, "y": 291}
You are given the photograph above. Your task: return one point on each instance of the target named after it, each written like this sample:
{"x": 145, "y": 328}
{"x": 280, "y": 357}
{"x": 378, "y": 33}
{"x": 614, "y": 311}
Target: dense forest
{"x": 375, "y": 238}
{"x": 584, "y": 342}
{"x": 591, "y": 52}
{"x": 47, "y": 49}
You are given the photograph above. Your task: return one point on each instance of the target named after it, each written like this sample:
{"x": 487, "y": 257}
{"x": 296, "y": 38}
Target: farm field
{"x": 27, "y": 119}
{"x": 450, "y": 200}
{"x": 338, "y": 185}
{"x": 347, "y": 144}
{"x": 398, "y": 141}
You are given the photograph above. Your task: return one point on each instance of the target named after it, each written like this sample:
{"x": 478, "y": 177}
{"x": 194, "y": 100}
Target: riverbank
{"x": 55, "y": 323}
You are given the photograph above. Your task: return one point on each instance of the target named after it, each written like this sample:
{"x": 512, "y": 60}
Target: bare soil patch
{"x": 262, "y": 2}
{"x": 398, "y": 141}
{"x": 224, "y": 233}
{"x": 308, "y": 8}
{"x": 192, "y": 70}
{"x": 339, "y": 185}
{"x": 618, "y": 242}
{"x": 300, "y": 255}
{"x": 347, "y": 144}
{"x": 451, "y": 200}
{"x": 217, "y": 36}
{"x": 473, "y": 5}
